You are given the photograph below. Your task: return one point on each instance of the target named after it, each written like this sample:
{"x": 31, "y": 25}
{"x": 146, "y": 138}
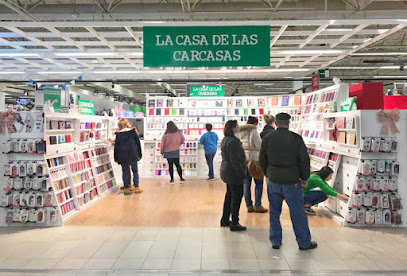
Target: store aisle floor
{"x": 196, "y": 203}
{"x": 75, "y": 250}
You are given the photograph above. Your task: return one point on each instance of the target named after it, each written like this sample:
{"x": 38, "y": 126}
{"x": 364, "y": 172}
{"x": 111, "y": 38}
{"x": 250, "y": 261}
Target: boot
{"x": 137, "y": 190}
{"x": 260, "y": 209}
{"x": 128, "y": 191}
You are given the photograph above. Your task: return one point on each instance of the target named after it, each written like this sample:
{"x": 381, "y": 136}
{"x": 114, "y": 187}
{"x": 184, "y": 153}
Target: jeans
{"x": 233, "y": 199}
{"x": 314, "y": 197}
{"x": 258, "y": 192}
{"x": 171, "y": 163}
{"x": 292, "y": 194}
{"x": 127, "y": 175}
{"x": 209, "y": 159}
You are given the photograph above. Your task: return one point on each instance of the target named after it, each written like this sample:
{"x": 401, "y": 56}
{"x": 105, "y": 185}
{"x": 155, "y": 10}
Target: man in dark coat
{"x": 285, "y": 161}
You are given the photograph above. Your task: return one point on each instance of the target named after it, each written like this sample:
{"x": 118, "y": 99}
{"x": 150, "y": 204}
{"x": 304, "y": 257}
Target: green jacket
{"x": 284, "y": 157}
{"x": 315, "y": 181}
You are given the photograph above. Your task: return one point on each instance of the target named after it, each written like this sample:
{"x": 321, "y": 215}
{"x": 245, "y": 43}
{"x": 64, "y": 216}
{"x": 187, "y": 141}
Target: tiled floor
{"x": 74, "y": 250}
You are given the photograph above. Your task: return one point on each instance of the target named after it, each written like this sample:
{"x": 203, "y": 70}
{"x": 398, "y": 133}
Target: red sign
{"x": 315, "y": 81}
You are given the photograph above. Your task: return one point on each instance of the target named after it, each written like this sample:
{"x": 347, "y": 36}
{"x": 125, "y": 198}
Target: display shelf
{"x": 63, "y": 190}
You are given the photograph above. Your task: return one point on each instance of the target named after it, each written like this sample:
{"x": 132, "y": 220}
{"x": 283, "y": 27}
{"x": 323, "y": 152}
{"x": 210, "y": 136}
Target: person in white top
{"x": 251, "y": 141}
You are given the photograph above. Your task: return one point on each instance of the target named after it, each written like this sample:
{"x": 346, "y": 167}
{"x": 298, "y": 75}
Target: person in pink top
{"x": 170, "y": 144}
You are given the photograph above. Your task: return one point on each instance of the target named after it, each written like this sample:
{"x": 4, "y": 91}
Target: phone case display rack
{"x": 191, "y": 114}
{"x": 188, "y": 159}
{"x": 368, "y": 172}
{"x": 47, "y": 178}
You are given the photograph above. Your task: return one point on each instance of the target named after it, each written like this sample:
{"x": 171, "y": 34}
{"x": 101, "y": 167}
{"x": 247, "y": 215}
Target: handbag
{"x": 254, "y": 168}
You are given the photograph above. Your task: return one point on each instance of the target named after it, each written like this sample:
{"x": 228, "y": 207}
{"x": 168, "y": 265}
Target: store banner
{"x": 315, "y": 82}
{"x": 206, "y": 90}
{"x": 212, "y": 46}
{"x": 52, "y": 99}
{"x": 86, "y": 107}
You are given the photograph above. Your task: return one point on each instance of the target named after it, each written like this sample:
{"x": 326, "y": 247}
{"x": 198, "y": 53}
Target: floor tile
{"x": 237, "y": 236}
{"x": 346, "y": 251}
{"x": 189, "y": 250}
{"x": 146, "y": 234}
{"x": 70, "y": 264}
{"x": 85, "y": 250}
{"x": 14, "y": 263}
{"x": 99, "y": 264}
{"x": 329, "y": 265}
{"x": 157, "y": 264}
{"x": 169, "y": 234}
{"x": 123, "y": 234}
{"x": 137, "y": 250}
{"x": 214, "y": 234}
{"x": 215, "y": 264}
{"x": 391, "y": 264}
{"x": 186, "y": 264}
{"x": 240, "y": 250}
{"x": 128, "y": 264}
{"x": 258, "y": 234}
{"x": 244, "y": 264}
{"x": 297, "y": 264}
{"x": 110, "y": 250}
{"x": 191, "y": 234}
{"x": 215, "y": 250}
{"x": 41, "y": 264}
{"x": 323, "y": 251}
{"x": 362, "y": 265}
{"x": 273, "y": 264}
{"x": 264, "y": 250}
{"x": 162, "y": 250}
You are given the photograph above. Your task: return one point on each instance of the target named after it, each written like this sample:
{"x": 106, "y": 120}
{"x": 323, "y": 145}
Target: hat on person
{"x": 283, "y": 117}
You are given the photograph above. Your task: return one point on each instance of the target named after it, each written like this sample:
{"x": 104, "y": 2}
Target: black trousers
{"x": 233, "y": 199}
{"x": 171, "y": 163}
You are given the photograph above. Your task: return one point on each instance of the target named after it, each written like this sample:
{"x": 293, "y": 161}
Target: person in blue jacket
{"x": 210, "y": 142}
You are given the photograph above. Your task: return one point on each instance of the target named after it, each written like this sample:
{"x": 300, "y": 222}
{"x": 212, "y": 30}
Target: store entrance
{"x": 195, "y": 203}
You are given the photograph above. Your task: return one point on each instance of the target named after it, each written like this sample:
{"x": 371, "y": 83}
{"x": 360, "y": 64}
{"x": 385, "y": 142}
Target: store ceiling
{"x": 102, "y": 40}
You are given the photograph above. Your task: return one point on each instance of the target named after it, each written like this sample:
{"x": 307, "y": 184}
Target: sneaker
{"x": 137, "y": 190}
{"x": 237, "y": 228}
{"x": 250, "y": 209}
{"x": 313, "y": 245}
{"x": 276, "y": 247}
{"x": 260, "y": 209}
{"x": 225, "y": 223}
{"x": 128, "y": 191}
{"x": 172, "y": 181}
{"x": 310, "y": 212}
{"x": 210, "y": 178}
{"x": 182, "y": 180}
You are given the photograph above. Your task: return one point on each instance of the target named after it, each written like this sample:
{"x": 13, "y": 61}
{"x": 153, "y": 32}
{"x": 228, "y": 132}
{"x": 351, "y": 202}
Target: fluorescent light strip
{"x": 85, "y": 54}
{"x": 227, "y": 71}
{"x": 381, "y": 54}
{"x": 18, "y": 55}
{"x": 58, "y": 72}
{"x": 310, "y": 52}
{"x": 366, "y": 67}
{"x": 390, "y": 77}
{"x": 12, "y": 73}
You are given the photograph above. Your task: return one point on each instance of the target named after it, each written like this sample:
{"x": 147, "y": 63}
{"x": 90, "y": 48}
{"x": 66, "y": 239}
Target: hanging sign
{"x": 52, "y": 99}
{"x": 206, "y": 46}
{"x": 86, "y": 107}
{"x": 206, "y": 90}
{"x": 315, "y": 82}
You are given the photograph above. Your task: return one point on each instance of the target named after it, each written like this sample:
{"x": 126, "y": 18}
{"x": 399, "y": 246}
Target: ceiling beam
{"x": 133, "y": 35}
{"x": 345, "y": 37}
{"x": 280, "y": 32}
{"x": 313, "y": 35}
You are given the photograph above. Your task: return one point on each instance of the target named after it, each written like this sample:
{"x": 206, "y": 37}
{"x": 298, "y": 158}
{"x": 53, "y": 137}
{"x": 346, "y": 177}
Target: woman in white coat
{"x": 251, "y": 141}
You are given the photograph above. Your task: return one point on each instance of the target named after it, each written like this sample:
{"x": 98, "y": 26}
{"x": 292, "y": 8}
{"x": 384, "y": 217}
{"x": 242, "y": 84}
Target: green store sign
{"x": 86, "y": 107}
{"x": 206, "y": 46}
{"x": 206, "y": 90}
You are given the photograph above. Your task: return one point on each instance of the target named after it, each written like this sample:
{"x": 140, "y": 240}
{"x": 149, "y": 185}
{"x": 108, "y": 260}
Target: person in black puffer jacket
{"x": 233, "y": 172}
{"x": 127, "y": 152}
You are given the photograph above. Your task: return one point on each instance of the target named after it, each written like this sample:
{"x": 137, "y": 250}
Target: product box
{"x": 369, "y": 95}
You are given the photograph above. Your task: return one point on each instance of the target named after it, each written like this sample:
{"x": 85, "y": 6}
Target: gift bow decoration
{"x": 388, "y": 119}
